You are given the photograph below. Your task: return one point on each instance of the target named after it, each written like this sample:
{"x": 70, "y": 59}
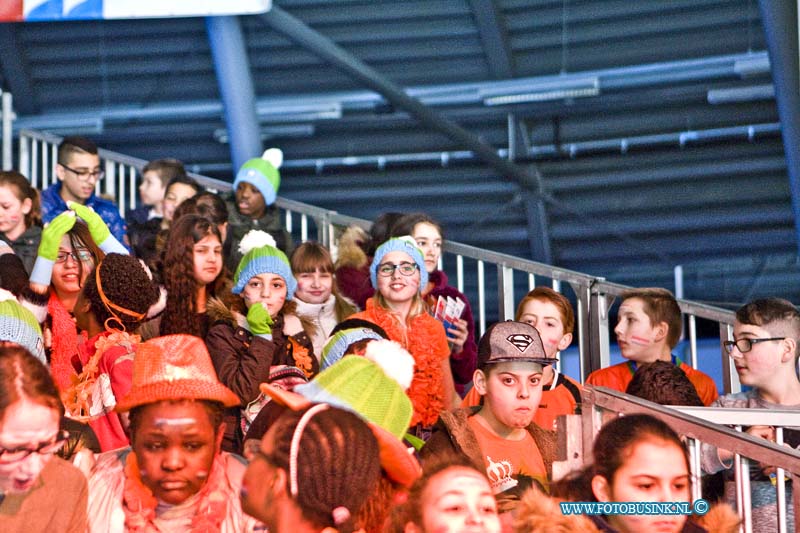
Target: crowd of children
{"x": 193, "y": 370}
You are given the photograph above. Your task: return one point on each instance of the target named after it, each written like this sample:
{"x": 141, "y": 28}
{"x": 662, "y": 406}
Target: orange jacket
{"x": 425, "y": 340}
{"x": 618, "y": 377}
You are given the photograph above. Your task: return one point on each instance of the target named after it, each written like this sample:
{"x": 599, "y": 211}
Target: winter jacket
{"x": 239, "y": 225}
{"x": 53, "y": 205}
{"x": 26, "y": 247}
{"x": 352, "y": 267}
{"x": 452, "y": 434}
{"x": 425, "y": 340}
{"x": 243, "y": 360}
{"x": 462, "y": 364}
{"x": 324, "y": 319}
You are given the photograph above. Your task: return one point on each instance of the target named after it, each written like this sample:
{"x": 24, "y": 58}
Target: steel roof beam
{"x": 320, "y": 45}
{"x": 494, "y": 36}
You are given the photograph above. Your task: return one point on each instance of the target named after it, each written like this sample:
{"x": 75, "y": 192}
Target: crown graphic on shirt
{"x": 499, "y": 474}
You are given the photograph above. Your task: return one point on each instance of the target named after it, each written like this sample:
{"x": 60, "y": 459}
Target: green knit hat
{"x": 18, "y": 325}
{"x": 261, "y": 260}
{"x": 361, "y": 385}
{"x": 262, "y": 173}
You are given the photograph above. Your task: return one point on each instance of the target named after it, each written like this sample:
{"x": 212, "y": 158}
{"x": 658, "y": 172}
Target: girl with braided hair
{"x": 109, "y": 312}
{"x": 313, "y": 472}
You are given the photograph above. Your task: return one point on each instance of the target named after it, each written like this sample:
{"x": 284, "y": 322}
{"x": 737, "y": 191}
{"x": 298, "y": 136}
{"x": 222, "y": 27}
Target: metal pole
{"x": 8, "y": 117}
{"x": 236, "y": 87}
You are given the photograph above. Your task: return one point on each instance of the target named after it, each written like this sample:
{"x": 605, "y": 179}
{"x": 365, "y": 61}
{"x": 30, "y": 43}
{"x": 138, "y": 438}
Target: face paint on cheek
{"x": 202, "y": 474}
{"x": 639, "y": 340}
{"x": 553, "y": 342}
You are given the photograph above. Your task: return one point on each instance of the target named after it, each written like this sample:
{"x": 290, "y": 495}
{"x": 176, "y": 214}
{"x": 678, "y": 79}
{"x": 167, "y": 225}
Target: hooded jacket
{"x": 243, "y": 360}
{"x": 452, "y": 434}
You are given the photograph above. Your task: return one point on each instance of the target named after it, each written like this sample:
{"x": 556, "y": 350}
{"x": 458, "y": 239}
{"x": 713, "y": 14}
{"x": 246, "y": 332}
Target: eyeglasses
{"x": 745, "y": 345}
{"x": 84, "y": 173}
{"x": 406, "y": 269}
{"x": 79, "y": 256}
{"x": 15, "y": 455}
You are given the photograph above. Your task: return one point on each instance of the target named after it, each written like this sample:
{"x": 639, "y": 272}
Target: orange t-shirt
{"x": 618, "y": 377}
{"x": 556, "y": 401}
{"x": 508, "y": 462}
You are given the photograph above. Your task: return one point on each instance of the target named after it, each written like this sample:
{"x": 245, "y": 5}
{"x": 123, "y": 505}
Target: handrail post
{"x": 8, "y": 132}
{"x": 505, "y": 294}
{"x": 583, "y": 327}
{"x": 599, "y": 349}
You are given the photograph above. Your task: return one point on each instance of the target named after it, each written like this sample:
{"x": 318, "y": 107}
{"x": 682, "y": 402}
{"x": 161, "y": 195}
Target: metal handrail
{"x": 594, "y": 295}
{"x": 704, "y": 426}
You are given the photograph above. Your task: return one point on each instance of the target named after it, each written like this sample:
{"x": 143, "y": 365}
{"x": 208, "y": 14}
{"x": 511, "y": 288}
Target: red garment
{"x": 117, "y": 362}
{"x": 65, "y": 341}
{"x": 354, "y": 283}
{"x": 425, "y": 340}
{"x": 618, "y": 377}
{"x": 462, "y": 364}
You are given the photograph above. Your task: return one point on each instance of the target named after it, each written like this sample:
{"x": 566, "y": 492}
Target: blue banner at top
{"x": 50, "y": 10}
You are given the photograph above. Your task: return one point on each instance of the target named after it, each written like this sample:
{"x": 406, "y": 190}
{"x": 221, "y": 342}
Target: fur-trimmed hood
{"x": 350, "y": 251}
{"x": 539, "y": 513}
{"x": 220, "y": 311}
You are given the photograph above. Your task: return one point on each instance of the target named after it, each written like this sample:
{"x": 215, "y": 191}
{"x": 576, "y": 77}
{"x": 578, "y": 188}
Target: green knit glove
{"x": 53, "y": 233}
{"x": 97, "y": 227}
{"x": 259, "y": 320}
{"x": 48, "y": 247}
{"x": 101, "y": 235}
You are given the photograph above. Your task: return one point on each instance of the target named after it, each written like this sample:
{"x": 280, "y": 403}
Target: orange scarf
{"x": 140, "y": 504}
{"x": 65, "y": 340}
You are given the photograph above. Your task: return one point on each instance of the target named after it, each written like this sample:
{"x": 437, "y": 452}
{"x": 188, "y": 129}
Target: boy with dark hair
{"x": 648, "y": 328}
{"x": 255, "y": 190}
{"x": 764, "y": 351}
{"x": 664, "y": 383}
{"x": 78, "y": 170}
{"x": 145, "y": 221}
{"x": 500, "y": 435}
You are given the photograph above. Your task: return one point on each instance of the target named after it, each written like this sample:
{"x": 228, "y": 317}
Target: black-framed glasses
{"x": 387, "y": 269}
{"x": 744, "y": 345}
{"x": 85, "y": 173}
{"x": 13, "y": 455}
{"x": 79, "y": 256}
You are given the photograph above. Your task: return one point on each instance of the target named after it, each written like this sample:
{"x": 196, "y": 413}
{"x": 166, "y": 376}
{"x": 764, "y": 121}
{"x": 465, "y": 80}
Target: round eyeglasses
{"x": 14, "y": 455}
{"x": 387, "y": 269}
{"x": 744, "y": 345}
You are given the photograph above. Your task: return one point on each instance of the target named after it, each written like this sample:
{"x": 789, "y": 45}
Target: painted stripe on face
{"x": 639, "y": 340}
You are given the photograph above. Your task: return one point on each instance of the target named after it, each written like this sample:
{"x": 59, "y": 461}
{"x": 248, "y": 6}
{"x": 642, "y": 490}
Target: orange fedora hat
{"x": 174, "y": 367}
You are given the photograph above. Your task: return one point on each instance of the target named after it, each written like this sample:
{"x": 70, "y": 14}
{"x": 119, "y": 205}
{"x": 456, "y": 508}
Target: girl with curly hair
{"x": 193, "y": 273}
